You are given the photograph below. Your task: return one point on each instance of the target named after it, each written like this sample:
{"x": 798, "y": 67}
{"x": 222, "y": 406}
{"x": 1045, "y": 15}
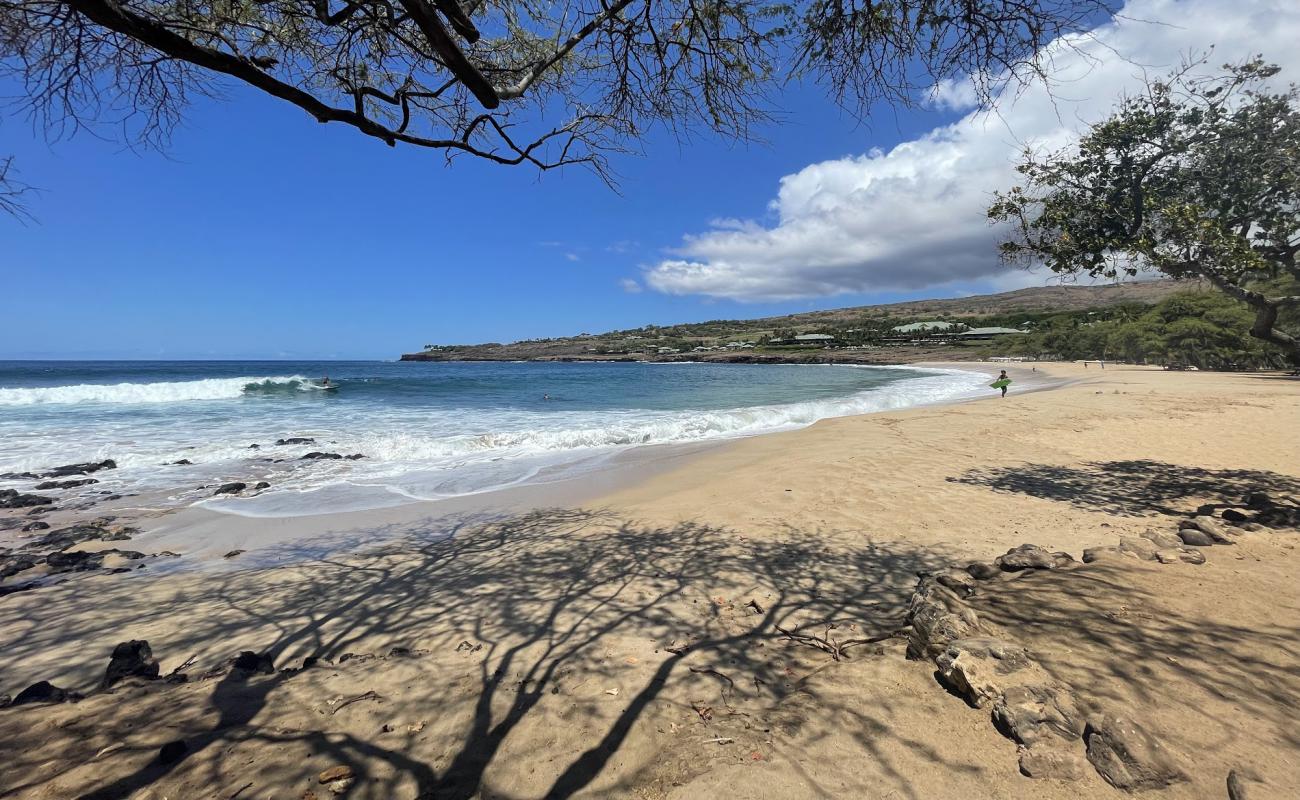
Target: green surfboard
{"x": 999, "y": 383}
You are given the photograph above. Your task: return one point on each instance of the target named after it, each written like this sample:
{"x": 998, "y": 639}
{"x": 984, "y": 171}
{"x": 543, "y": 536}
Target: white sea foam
{"x": 162, "y": 392}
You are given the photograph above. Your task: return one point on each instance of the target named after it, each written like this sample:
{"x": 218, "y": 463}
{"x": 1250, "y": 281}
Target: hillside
{"x": 860, "y": 332}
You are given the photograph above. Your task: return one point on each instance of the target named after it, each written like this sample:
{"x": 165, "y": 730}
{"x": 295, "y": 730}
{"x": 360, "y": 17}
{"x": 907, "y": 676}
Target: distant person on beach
{"x": 1003, "y": 377}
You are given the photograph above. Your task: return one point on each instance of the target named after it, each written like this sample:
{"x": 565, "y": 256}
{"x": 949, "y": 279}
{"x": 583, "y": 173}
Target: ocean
{"x": 426, "y": 430}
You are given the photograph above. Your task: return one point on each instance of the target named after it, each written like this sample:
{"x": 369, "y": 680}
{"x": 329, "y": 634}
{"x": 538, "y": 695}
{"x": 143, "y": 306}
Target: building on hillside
{"x": 814, "y": 338}
{"x": 989, "y": 333}
{"x": 923, "y": 327}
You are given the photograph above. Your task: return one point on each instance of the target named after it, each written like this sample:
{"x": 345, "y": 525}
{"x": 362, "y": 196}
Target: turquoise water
{"x": 427, "y": 430}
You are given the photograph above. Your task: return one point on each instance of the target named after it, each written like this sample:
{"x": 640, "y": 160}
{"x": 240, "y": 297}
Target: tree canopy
{"x": 1196, "y": 176}
{"x": 540, "y": 82}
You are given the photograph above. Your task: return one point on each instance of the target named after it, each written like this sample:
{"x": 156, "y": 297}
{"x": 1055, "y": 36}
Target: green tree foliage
{"x": 1203, "y": 329}
{"x": 511, "y": 81}
{"x": 1195, "y": 177}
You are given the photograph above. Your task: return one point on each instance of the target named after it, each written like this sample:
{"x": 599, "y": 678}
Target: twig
{"x": 712, "y": 671}
{"x": 829, "y": 644}
{"x": 370, "y": 695}
{"x": 240, "y": 790}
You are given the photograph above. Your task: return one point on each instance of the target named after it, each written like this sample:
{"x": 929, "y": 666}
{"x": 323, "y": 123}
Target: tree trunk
{"x": 1265, "y": 329}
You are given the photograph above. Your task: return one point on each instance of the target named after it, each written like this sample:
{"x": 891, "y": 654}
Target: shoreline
{"x": 660, "y": 639}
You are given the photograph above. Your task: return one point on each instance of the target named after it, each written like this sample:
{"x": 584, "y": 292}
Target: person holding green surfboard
{"x": 1001, "y": 383}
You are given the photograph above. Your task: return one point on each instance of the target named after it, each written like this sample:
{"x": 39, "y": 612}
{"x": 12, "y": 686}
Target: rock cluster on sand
{"x": 53, "y": 552}
{"x": 12, "y": 498}
{"x": 989, "y": 669}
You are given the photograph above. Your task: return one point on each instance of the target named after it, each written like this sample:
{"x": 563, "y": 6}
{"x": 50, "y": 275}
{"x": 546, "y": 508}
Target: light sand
{"x": 546, "y": 650}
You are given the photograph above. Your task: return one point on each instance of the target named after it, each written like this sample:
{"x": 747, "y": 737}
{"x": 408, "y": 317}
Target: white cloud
{"x": 630, "y": 286}
{"x": 913, "y": 217}
{"x": 571, "y": 256}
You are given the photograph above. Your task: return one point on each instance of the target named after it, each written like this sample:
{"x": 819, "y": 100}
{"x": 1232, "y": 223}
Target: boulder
{"x": 76, "y": 561}
{"x": 80, "y": 469}
{"x": 133, "y": 659}
{"x": 958, "y": 580}
{"x": 1038, "y": 715}
{"x": 1195, "y": 537}
{"x": 1279, "y": 517}
{"x": 1163, "y": 539}
{"x": 1026, "y": 556}
{"x": 63, "y": 538}
{"x": 295, "y": 440}
{"x": 1230, "y": 514}
{"x": 261, "y": 485}
{"x": 315, "y": 456}
{"x": 44, "y": 692}
{"x": 10, "y": 498}
{"x": 230, "y": 488}
{"x": 1258, "y": 500}
{"x": 1128, "y": 757}
{"x": 38, "y": 525}
{"x": 184, "y": 462}
{"x": 1209, "y": 526}
{"x": 1137, "y": 547}
{"x": 1191, "y": 556}
{"x": 978, "y": 669}
{"x": 354, "y": 457}
{"x": 937, "y": 616}
{"x": 983, "y": 571}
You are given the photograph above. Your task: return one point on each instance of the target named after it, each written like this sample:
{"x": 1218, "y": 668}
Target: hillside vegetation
{"x": 1154, "y": 322}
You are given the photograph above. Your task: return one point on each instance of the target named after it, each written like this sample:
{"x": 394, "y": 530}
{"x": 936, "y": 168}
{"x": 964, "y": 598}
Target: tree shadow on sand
{"x": 1130, "y": 488}
{"x": 536, "y": 599}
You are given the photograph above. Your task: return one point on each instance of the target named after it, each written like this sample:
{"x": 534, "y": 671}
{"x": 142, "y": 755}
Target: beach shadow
{"x": 531, "y": 604}
{"x": 1130, "y": 488}
{"x": 1133, "y": 648}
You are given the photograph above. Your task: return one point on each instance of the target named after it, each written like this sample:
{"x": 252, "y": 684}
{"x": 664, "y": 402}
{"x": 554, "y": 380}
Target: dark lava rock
{"x": 1230, "y": 514}
{"x": 254, "y": 447}
{"x": 234, "y": 553}
{"x": 230, "y": 488}
{"x": 248, "y": 661}
{"x": 184, "y": 462}
{"x": 296, "y": 440}
{"x": 20, "y": 587}
{"x": 317, "y": 455}
{"x": 78, "y": 561}
{"x": 40, "y": 510}
{"x": 13, "y": 564}
{"x": 38, "y": 525}
{"x": 133, "y": 659}
{"x": 63, "y": 538}
{"x": 1257, "y": 500}
{"x": 261, "y": 485}
{"x": 65, "y": 484}
{"x": 10, "y": 498}
{"x": 354, "y": 457}
{"x": 18, "y": 476}
{"x": 80, "y": 469}
{"x": 172, "y": 752}
{"x": 44, "y": 692}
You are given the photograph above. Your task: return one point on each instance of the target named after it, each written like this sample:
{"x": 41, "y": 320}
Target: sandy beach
{"x": 681, "y": 634}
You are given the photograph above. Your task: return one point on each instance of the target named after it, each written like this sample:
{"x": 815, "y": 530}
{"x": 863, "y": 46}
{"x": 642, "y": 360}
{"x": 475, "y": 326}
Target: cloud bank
{"x": 913, "y": 217}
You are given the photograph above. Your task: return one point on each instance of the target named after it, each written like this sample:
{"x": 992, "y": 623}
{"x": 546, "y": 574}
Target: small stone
{"x": 230, "y": 488}
{"x": 341, "y": 787}
{"x": 1051, "y": 762}
{"x": 261, "y": 485}
{"x": 1190, "y": 556}
{"x": 1230, "y": 514}
{"x": 172, "y": 752}
{"x": 1168, "y": 556}
{"x": 340, "y": 773}
{"x": 1236, "y": 786}
{"x": 1092, "y": 554}
{"x": 982, "y": 571}
{"x": 295, "y": 440}
{"x": 38, "y": 525}
{"x": 316, "y": 456}
{"x": 184, "y": 462}
{"x": 233, "y": 553}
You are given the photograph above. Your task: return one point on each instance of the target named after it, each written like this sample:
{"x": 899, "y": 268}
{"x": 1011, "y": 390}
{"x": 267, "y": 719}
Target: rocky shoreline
{"x": 875, "y": 357}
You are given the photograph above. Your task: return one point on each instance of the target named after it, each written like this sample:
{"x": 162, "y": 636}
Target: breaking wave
{"x": 163, "y": 392}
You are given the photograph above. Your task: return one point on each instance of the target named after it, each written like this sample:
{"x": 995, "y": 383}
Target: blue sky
{"x": 263, "y": 234}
